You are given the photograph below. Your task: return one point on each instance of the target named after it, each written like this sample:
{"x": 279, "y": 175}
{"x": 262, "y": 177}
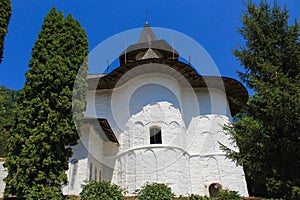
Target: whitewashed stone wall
{"x": 189, "y": 159}
{"x": 78, "y": 166}
{"x": 154, "y": 164}
{"x": 95, "y": 159}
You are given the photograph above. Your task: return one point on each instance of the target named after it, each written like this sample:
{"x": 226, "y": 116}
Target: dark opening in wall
{"x": 74, "y": 167}
{"x": 155, "y": 135}
{"x": 214, "y": 189}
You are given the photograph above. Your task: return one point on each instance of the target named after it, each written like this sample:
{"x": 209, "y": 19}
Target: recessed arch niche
{"x": 148, "y": 94}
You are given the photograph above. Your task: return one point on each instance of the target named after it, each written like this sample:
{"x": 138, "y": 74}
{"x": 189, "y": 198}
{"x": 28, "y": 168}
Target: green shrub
{"x": 198, "y": 197}
{"x": 42, "y": 192}
{"x": 71, "y": 197}
{"x": 295, "y": 193}
{"x": 194, "y": 197}
{"x": 182, "y": 198}
{"x": 94, "y": 190}
{"x": 155, "y": 191}
{"x": 229, "y": 195}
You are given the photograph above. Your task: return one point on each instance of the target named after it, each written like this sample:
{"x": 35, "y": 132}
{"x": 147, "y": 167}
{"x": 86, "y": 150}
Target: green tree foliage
{"x": 295, "y": 193}
{"x": 95, "y": 190}
{"x": 155, "y": 191}
{"x": 198, "y": 197}
{"x": 44, "y": 130}
{"x": 229, "y": 195}
{"x": 5, "y": 14}
{"x": 7, "y": 98}
{"x": 223, "y": 195}
{"x": 194, "y": 197}
{"x": 267, "y": 131}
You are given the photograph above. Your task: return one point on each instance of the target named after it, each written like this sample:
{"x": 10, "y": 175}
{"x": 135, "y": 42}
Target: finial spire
{"x": 147, "y": 16}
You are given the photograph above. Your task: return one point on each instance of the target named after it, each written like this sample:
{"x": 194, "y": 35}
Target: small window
{"x": 155, "y": 135}
{"x": 214, "y": 190}
{"x": 91, "y": 171}
{"x": 74, "y": 166}
{"x": 96, "y": 174}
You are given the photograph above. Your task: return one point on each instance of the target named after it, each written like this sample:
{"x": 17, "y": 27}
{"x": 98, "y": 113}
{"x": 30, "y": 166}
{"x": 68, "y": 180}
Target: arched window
{"x": 155, "y": 135}
{"x": 91, "y": 171}
{"x": 214, "y": 189}
{"x": 100, "y": 178}
{"x": 96, "y": 176}
{"x": 74, "y": 167}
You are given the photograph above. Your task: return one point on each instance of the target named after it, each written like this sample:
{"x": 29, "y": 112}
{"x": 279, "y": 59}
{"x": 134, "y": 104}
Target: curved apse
{"x": 148, "y": 94}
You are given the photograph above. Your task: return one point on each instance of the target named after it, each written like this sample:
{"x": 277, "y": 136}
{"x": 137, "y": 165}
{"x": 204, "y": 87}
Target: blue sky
{"x": 212, "y": 23}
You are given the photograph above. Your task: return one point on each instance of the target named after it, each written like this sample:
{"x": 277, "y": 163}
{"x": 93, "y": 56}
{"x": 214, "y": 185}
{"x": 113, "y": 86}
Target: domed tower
{"x": 155, "y": 119}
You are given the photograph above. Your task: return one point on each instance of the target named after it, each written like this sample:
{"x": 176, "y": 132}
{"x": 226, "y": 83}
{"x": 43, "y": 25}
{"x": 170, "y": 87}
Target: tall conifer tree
{"x": 7, "y": 98}
{"x": 5, "y": 14}
{"x": 41, "y": 140}
{"x": 268, "y": 130}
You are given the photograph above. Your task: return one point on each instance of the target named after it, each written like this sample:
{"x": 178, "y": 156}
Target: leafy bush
{"x": 42, "y": 192}
{"x": 295, "y": 192}
{"x": 155, "y": 191}
{"x": 198, "y": 197}
{"x": 194, "y": 197}
{"x": 229, "y": 195}
{"x": 94, "y": 190}
{"x": 71, "y": 197}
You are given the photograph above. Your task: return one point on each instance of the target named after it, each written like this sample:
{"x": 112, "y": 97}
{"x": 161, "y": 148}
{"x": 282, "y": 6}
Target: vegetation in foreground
{"x": 150, "y": 191}
{"x": 44, "y": 131}
{"x": 267, "y": 130}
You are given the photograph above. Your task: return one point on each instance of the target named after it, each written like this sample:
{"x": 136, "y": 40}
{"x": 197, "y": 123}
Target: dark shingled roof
{"x": 147, "y": 34}
{"x": 156, "y": 44}
{"x": 237, "y": 94}
{"x": 148, "y": 40}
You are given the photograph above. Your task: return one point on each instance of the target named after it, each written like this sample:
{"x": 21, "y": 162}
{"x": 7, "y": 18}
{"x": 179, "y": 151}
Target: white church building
{"x": 155, "y": 119}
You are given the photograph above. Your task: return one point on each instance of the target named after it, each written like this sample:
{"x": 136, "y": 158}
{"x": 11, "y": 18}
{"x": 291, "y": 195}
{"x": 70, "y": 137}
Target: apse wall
{"x": 191, "y": 123}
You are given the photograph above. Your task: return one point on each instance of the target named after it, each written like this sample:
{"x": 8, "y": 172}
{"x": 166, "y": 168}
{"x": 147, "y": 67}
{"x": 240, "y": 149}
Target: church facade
{"x": 155, "y": 119}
